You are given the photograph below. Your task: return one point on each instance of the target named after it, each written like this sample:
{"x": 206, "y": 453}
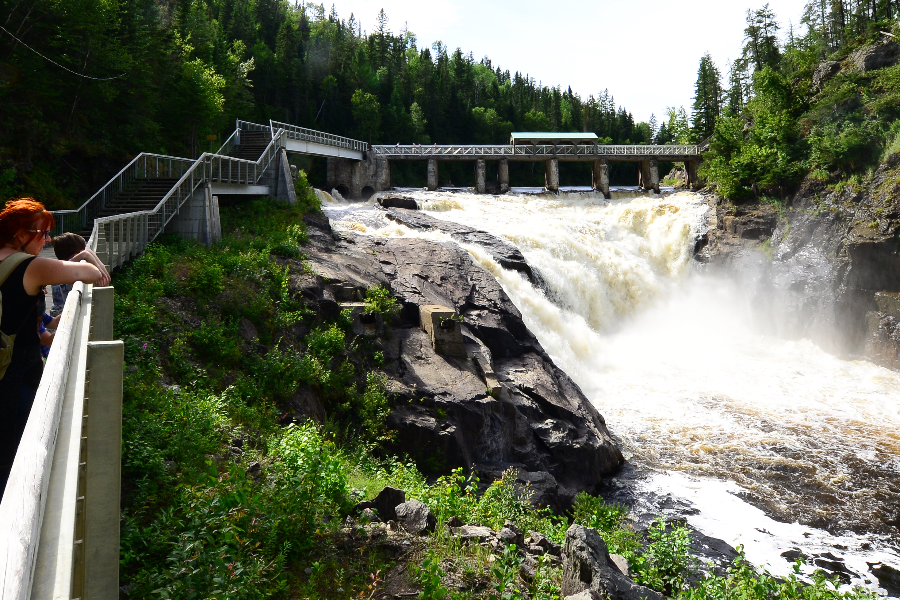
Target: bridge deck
{"x": 537, "y": 152}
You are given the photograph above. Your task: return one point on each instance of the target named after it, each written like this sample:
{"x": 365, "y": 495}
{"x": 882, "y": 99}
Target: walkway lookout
{"x": 549, "y": 148}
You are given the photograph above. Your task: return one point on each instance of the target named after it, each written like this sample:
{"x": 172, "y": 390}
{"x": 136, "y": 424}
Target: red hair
{"x": 23, "y": 214}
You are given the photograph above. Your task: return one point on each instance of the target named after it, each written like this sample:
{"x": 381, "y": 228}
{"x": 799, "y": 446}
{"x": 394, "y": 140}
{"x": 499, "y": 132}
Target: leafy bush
{"x": 742, "y": 581}
{"x": 379, "y": 300}
{"x": 665, "y": 562}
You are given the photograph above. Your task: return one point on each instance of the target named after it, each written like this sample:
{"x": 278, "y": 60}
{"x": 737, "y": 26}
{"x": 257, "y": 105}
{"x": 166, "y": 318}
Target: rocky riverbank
{"x": 825, "y": 264}
{"x": 501, "y": 402}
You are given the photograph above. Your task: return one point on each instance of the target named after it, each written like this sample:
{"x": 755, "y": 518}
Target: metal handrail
{"x": 141, "y": 166}
{"x": 295, "y": 132}
{"x": 507, "y": 150}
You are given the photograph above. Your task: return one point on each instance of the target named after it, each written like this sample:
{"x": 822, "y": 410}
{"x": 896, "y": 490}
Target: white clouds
{"x": 646, "y": 52}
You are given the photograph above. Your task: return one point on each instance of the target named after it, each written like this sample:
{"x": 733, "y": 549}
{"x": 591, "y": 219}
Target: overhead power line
{"x": 50, "y": 60}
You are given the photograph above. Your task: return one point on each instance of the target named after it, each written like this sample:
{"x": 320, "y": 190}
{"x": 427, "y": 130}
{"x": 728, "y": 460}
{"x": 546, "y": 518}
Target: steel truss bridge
{"x": 536, "y": 152}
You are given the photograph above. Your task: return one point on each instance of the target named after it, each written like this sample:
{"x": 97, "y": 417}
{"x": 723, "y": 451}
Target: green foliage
{"x": 505, "y": 572}
{"x": 742, "y": 581}
{"x": 707, "y": 98}
{"x": 665, "y": 562}
{"x": 430, "y": 576}
{"x": 307, "y": 199}
{"x": 379, "y": 300}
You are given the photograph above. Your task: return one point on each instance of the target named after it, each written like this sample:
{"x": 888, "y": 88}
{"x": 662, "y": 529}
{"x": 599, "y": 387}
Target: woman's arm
{"x": 46, "y": 271}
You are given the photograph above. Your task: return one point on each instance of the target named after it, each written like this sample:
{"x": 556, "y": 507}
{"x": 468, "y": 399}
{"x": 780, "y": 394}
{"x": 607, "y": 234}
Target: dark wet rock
{"x": 879, "y": 55}
{"x": 888, "y": 578}
{"x": 247, "y": 330}
{"x": 511, "y": 535}
{"x": 415, "y": 517}
{"x": 398, "y": 202}
{"x": 528, "y": 568}
{"x": 533, "y": 418}
{"x": 588, "y": 566}
{"x": 835, "y": 566}
{"x": 454, "y": 521}
{"x": 385, "y": 503}
{"x": 306, "y": 405}
{"x": 749, "y": 223}
{"x": 793, "y": 554}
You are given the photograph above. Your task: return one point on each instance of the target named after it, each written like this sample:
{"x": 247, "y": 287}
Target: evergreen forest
{"x": 802, "y": 105}
{"x": 87, "y": 84}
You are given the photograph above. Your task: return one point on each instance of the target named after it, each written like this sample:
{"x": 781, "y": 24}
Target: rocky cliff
{"x": 826, "y": 264}
{"x": 502, "y": 402}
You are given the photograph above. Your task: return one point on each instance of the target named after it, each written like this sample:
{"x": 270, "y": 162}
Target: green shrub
{"x": 743, "y": 582}
{"x": 665, "y": 562}
{"x": 311, "y": 478}
{"x": 379, "y": 300}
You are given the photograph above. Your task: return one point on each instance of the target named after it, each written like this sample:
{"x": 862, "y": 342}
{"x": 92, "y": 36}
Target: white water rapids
{"x": 675, "y": 361}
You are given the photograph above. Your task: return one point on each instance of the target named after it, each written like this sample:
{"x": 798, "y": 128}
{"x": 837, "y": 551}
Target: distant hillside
{"x": 83, "y": 87}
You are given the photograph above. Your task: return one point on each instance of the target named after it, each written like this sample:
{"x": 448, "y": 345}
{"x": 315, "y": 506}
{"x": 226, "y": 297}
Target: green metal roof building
{"x": 544, "y": 137}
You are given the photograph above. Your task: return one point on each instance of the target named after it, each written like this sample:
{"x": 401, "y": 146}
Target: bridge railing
{"x": 144, "y": 165}
{"x": 530, "y": 150}
{"x": 60, "y": 510}
{"x": 310, "y": 135}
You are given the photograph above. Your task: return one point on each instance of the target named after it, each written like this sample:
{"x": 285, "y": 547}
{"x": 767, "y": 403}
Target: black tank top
{"x": 21, "y": 312}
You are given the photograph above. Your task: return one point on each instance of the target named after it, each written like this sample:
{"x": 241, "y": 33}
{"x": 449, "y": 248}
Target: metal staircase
{"x": 60, "y": 510}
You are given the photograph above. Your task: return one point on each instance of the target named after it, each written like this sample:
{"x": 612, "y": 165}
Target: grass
{"x": 225, "y": 497}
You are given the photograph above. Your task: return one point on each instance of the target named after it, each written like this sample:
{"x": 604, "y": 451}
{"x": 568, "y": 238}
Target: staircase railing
{"x": 59, "y": 515}
{"x": 126, "y": 235}
{"x": 144, "y": 165}
{"x": 309, "y": 135}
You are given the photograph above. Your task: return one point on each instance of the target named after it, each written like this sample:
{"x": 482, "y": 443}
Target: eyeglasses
{"x": 46, "y": 232}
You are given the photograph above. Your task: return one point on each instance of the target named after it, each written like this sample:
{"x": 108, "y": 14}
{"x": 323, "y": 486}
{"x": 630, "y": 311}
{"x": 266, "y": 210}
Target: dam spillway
{"x": 705, "y": 401}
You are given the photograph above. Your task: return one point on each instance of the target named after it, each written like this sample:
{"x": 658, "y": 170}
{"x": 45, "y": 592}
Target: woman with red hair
{"x": 24, "y": 230}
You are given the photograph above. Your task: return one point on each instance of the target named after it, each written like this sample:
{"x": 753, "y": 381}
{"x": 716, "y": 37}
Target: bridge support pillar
{"x": 503, "y": 175}
{"x": 353, "y": 177}
{"x": 600, "y": 172}
{"x": 649, "y": 175}
{"x": 480, "y": 183}
{"x": 198, "y": 218}
{"x": 551, "y": 175}
{"x": 690, "y": 170}
{"x": 654, "y": 174}
{"x": 432, "y": 174}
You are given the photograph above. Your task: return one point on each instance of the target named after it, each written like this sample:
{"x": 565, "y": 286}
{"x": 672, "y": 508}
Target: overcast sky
{"x": 646, "y": 52}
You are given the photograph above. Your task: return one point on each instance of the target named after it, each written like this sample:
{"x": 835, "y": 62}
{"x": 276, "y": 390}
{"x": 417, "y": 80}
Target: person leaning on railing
{"x": 24, "y": 230}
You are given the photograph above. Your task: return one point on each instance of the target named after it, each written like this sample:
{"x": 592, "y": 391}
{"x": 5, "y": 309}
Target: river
{"x": 773, "y": 443}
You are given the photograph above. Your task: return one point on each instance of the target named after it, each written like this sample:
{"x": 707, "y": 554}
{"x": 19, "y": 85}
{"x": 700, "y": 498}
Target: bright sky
{"x": 646, "y": 52}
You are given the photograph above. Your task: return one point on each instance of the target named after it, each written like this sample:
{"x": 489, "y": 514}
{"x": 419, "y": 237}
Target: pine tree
{"x": 707, "y": 98}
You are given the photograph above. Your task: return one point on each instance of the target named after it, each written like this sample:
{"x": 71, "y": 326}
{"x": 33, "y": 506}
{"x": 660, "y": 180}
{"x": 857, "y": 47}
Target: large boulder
{"x": 587, "y": 566}
{"x": 385, "y": 503}
{"x": 875, "y": 56}
{"x": 825, "y": 71}
{"x": 415, "y": 517}
{"x": 505, "y": 404}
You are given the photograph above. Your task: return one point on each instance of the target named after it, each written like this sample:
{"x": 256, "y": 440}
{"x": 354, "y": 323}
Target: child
{"x": 47, "y": 322}
{"x": 65, "y": 246}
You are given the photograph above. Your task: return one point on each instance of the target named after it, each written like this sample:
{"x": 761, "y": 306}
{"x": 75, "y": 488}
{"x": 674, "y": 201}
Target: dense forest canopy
{"x": 805, "y": 108}
{"x": 86, "y": 84}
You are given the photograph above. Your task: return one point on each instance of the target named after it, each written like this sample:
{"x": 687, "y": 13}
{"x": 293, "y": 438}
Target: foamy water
{"x": 674, "y": 361}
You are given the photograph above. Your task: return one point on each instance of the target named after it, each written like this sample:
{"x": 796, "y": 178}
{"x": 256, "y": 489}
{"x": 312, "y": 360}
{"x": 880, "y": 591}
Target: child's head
{"x": 67, "y": 245}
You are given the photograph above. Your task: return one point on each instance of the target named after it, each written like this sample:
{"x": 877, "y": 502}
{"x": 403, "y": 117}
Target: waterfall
{"x": 681, "y": 366}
